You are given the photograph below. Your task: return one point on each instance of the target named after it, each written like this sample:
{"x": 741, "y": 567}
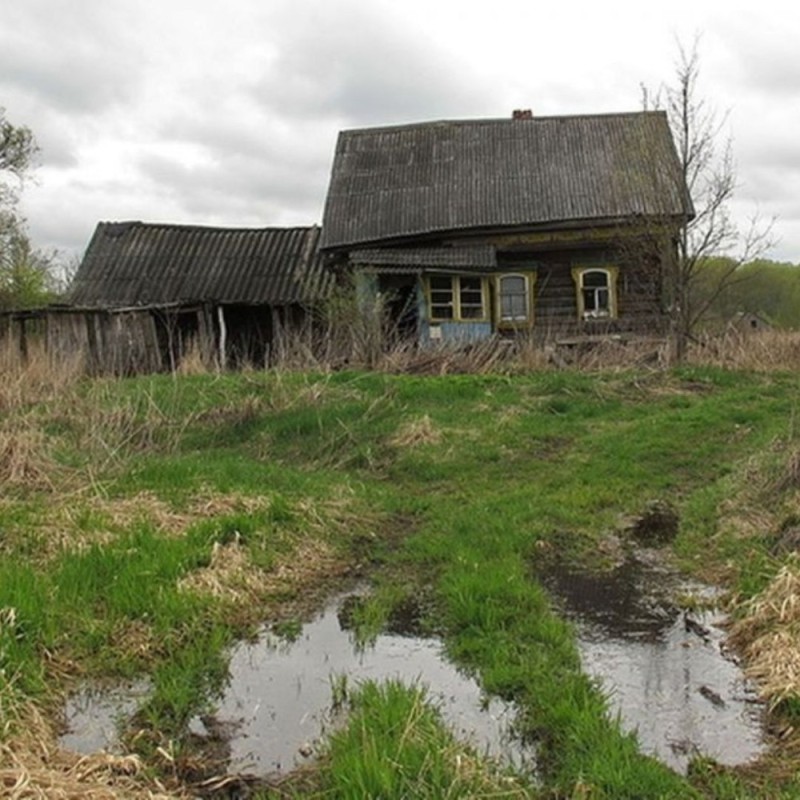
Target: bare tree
{"x": 709, "y": 174}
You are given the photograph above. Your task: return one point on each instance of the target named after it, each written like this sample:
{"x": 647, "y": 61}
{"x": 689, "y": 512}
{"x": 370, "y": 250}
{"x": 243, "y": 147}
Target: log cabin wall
{"x": 638, "y": 292}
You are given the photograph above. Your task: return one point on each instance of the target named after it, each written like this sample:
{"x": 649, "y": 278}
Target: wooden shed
{"x": 147, "y": 294}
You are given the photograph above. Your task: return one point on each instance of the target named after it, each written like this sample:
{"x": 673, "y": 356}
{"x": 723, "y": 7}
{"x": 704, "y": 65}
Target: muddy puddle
{"x": 666, "y": 671}
{"x": 277, "y": 706}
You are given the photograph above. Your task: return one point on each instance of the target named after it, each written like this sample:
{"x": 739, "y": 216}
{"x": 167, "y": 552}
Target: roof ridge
{"x": 496, "y": 120}
{"x": 125, "y": 224}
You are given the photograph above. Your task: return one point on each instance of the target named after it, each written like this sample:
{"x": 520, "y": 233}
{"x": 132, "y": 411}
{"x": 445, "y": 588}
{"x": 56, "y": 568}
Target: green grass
{"x": 519, "y": 467}
{"x": 395, "y": 745}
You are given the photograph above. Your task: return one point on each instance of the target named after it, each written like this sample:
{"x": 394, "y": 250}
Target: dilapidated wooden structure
{"x": 145, "y": 295}
{"x": 557, "y": 227}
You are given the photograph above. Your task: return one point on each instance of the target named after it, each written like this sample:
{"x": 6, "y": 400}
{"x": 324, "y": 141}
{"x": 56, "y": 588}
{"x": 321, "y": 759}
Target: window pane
{"x": 596, "y": 292}
{"x": 441, "y": 312}
{"x": 442, "y": 283}
{"x": 512, "y": 283}
{"x": 513, "y": 307}
{"x": 595, "y": 278}
{"x": 441, "y": 297}
{"x": 513, "y": 298}
{"x": 470, "y": 298}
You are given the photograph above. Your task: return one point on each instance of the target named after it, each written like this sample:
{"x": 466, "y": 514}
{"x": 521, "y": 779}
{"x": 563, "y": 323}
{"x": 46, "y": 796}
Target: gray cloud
{"x": 268, "y": 148}
{"x": 59, "y": 55}
{"x": 179, "y": 112}
{"x": 761, "y": 54}
{"x": 241, "y": 188}
{"x": 351, "y": 63}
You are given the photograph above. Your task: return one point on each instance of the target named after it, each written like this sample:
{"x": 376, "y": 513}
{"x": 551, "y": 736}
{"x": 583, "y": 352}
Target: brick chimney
{"x": 522, "y": 113}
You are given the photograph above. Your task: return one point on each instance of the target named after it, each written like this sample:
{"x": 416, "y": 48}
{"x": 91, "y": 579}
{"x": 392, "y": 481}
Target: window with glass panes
{"x": 457, "y": 297}
{"x": 596, "y": 290}
{"x": 470, "y": 298}
{"x": 441, "y": 298}
{"x": 513, "y": 294}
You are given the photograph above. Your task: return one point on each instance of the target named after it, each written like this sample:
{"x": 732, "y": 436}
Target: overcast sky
{"x": 226, "y": 113}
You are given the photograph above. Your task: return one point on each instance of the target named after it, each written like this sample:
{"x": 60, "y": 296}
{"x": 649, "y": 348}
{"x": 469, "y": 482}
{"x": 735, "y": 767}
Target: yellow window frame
{"x": 530, "y": 282}
{"x": 455, "y": 290}
{"x": 612, "y": 274}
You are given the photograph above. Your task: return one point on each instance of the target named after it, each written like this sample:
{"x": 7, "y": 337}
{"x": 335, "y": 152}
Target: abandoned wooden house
{"x": 147, "y": 294}
{"x": 557, "y": 227}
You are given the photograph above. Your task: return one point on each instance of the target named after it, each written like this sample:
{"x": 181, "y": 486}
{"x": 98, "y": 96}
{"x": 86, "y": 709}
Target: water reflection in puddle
{"x": 665, "y": 671}
{"x": 280, "y": 696}
{"x": 275, "y": 708}
{"x": 93, "y": 716}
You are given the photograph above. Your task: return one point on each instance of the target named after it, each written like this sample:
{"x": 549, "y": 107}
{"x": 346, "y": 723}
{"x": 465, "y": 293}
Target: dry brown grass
{"x": 231, "y": 575}
{"x": 197, "y": 360}
{"x": 41, "y": 377}
{"x": 36, "y": 379}
{"x": 762, "y": 351}
{"x": 763, "y": 491}
{"x": 34, "y": 767}
{"x": 769, "y": 636}
{"x": 25, "y": 450}
{"x": 597, "y": 354}
{"x": 95, "y": 423}
{"x": 481, "y": 357}
{"x": 309, "y": 559}
{"x": 416, "y": 432}
{"x": 25, "y": 460}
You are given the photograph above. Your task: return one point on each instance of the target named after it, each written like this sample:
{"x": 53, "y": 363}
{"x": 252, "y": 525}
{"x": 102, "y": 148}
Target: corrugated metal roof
{"x": 480, "y": 257}
{"x": 137, "y": 263}
{"x": 393, "y": 183}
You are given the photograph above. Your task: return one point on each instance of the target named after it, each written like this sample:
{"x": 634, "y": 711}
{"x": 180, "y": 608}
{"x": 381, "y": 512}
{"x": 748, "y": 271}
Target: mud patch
{"x": 666, "y": 671}
{"x": 657, "y": 525}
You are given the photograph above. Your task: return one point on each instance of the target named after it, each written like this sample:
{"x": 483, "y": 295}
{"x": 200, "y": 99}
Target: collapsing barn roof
{"x": 392, "y": 184}
{"x": 137, "y": 264}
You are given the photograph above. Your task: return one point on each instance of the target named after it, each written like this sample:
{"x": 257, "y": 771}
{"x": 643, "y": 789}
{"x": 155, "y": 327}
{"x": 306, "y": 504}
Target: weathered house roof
{"x": 137, "y": 263}
{"x": 392, "y": 184}
{"x": 388, "y": 259}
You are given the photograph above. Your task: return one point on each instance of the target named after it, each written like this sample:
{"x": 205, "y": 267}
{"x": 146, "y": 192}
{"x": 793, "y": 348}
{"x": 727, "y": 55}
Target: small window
{"x": 514, "y": 307}
{"x": 513, "y": 298}
{"x": 596, "y": 290}
{"x": 457, "y": 297}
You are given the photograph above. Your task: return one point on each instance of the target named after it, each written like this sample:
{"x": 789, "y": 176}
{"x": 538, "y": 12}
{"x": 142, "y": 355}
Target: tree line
{"x": 770, "y": 289}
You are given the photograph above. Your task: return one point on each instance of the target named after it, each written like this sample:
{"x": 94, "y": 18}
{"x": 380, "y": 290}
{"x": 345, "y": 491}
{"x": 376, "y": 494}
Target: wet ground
{"x": 93, "y": 716}
{"x": 277, "y": 705}
{"x": 666, "y": 671}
